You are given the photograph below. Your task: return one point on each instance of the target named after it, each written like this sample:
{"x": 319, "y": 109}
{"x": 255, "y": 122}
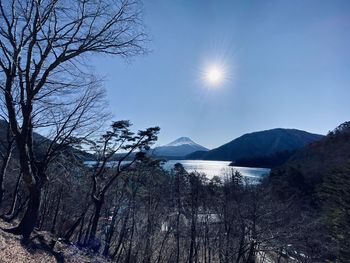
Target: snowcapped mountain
{"x": 182, "y": 141}
{"x": 178, "y": 148}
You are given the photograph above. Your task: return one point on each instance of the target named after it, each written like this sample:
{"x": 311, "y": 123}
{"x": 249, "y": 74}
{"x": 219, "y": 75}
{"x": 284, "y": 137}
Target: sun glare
{"x": 214, "y": 75}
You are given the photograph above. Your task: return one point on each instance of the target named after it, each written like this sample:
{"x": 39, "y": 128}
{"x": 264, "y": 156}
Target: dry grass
{"x": 11, "y": 250}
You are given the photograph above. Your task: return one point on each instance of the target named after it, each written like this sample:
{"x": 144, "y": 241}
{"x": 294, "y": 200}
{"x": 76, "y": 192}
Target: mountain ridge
{"x": 261, "y": 143}
{"x": 41, "y": 142}
{"x": 310, "y": 160}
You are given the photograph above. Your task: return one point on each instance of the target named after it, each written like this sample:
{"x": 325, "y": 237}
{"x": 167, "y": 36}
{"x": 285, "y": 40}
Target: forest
{"x": 151, "y": 215}
{"x": 54, "y": 118}
{"x": 136, "y": 211}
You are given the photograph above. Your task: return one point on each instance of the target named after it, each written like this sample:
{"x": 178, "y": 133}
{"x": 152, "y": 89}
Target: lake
{"x": 210, "y": 168}
{"x": 216, "y": 168}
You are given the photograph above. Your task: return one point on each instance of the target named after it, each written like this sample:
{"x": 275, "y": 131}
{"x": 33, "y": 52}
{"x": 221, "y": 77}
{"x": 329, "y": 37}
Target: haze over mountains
{"x": 257, "y": 144}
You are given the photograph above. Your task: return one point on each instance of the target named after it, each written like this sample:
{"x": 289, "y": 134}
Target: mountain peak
{"x": 180, "y": 147}
{"x": 181, "y": 141}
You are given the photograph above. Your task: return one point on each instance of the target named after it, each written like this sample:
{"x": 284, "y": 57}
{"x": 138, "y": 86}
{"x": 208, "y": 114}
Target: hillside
{"x": 258, "y": 144}
{"x": 318, "y": 179}
{"x": 178, "y": 148}
{"x": 312, "y": 163}
{"x": 265, "y": 161}
{"x": 41, "y": 144}
{"x": 45, "y": 248}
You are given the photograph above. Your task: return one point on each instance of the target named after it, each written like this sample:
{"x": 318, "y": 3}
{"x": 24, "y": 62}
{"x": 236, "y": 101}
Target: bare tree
{"x": 119, "y": 138}
{"x": 44, "y": 80}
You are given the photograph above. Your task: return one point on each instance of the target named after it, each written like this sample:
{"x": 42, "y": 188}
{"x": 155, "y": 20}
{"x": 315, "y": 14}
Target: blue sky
{"x": 287, "y": 65}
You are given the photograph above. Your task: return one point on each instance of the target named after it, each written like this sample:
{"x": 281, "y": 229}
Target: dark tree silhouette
{"x": 119, "y": 138}
{"x": 44, "y": 82}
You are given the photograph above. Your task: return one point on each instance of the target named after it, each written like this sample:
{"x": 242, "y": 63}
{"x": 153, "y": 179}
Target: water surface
{"x": 216, "y": 168}
{"x": 210, "y": 168}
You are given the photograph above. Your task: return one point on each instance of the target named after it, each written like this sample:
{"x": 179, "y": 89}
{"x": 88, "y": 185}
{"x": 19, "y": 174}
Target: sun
{"x": 214, "y": 75}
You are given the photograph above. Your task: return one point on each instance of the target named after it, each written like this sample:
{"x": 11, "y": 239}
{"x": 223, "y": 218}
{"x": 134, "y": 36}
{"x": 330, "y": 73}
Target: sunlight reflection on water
{"x": 209, "y": 168}
{"x": 216, "y": 168}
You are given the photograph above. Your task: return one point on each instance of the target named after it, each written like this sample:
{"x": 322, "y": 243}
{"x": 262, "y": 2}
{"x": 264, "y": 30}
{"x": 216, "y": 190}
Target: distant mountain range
{"x": 268, "y": 148}
{"x": 258, "y": 145}
{"x": 178, "y": 148}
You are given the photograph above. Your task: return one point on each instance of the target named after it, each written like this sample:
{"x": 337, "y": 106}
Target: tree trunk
{"x": 147, "y": 254}
{"x": 96, "y": 216}
{"x": 111, "y": 231}
{"x": 113, "y": 223}
{"x": 251, "y": 253}
{"x": 241, "y": 250}
{"x": 80, "y": 233}
{"x": 29, "y": 220}
{"x": 177, "y": 234}
{"x": 3, "y": 170}
{"x": 178, "y": 203}
{"x": 5, "y": 162}
{"x": 34, "y": 180}
{"x": 44, "y": 210}
{"x": 227, "y": 243}
{"x": 56, "y": 212}
{"x": 70, "y": 232}
{"x": 129, "y": 253}
{"x": 193, "y": 238}
{"x": 88, "y": 229}
{"x": 122, "y": 232}
{"x": 162, "y": 245}
{"x": 10, "y": 214}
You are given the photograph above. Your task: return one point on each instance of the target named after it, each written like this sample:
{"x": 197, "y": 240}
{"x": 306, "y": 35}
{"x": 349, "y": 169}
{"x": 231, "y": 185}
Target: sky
{"x": 286, "y": 64}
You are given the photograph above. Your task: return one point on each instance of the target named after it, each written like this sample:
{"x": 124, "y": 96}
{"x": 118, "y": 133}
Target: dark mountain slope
{"x": 41, "y": 143}
{"x": 317, "y": 178}
{"x": 257, "y": 144}
{"x": 265, "y": 161}
{"x": 310, "y": 164}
